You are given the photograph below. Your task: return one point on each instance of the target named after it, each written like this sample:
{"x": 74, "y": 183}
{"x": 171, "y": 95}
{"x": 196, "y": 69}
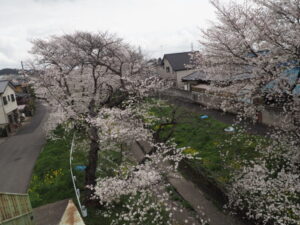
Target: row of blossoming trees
{"x": 261, "y": 38}
{"x": 96, "y": 81}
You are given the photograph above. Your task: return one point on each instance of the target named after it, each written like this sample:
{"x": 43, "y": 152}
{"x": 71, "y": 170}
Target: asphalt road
{"x": 19, "y": 153}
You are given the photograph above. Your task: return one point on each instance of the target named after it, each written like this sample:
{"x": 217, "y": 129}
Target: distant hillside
{"x": 8, "y": 71}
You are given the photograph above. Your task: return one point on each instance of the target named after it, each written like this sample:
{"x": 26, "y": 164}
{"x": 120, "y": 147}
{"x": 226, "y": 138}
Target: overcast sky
{"x": 157, "y": 26}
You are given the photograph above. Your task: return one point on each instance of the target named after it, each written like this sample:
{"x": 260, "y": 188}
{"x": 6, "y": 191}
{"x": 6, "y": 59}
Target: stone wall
{"x": 268, "y": 116}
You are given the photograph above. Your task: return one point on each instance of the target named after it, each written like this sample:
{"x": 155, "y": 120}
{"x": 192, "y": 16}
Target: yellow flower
{"x": 190, "y": 151}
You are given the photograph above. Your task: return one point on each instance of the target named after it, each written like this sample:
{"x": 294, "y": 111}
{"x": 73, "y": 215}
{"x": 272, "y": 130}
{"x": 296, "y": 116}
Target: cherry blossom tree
{"x": 144, "y": 181}
{"x": 260, "y": 38}
{"x": 81, "y": 73}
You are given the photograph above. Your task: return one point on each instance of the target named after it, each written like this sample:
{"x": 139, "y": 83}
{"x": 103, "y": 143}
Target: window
{"x": 8, "y": 97}
{"x": 12, "y": 96}
{"x": 4, "y": 100}
{"x": 168, "y": 69}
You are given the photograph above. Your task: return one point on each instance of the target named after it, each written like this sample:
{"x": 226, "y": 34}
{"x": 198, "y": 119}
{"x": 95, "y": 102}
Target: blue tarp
{"x": 204, "y": 117}
{"x": 296, "y": 90}
{"x": 80, "y": 168}
{"x": 291, "y": 77}
{"x": 270, "y": 86}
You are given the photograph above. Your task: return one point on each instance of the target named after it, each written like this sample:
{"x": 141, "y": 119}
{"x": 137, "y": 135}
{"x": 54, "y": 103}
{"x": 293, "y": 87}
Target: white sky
{"x": 158, "y": 26}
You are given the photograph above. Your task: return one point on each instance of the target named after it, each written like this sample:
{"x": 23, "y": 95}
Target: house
{"x": 193, "y": 79}
{"x": 16, "y": 209}
{"x": 9, "y": 115}
{"x": 21, "y": 85}
{"x": 175, "y": 66}
{"x": 63, "y": 212}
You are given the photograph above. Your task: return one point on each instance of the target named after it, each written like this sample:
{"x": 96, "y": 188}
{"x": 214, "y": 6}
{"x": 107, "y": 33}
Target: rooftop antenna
{"x": 23, "y": 72}
{"x": 192, "y": 46}
{"x": 161, "y": 48}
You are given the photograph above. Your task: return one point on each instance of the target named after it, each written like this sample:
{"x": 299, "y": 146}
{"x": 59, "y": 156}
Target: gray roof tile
{"x": 3, "y": 85}
{"x": 195, "y": 76}
{"x": 178, "y": 61}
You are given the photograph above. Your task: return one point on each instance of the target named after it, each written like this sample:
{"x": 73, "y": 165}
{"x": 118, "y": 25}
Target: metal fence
{"x": 82, "y": 208}
{"x": 15, "y": 209}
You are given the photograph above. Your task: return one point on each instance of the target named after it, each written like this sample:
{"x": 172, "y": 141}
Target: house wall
{"x": 171, "y": 76}
{"x": 167, "y": 64}
{"x": 180, "y": 75}
{"x": 11, "y": 106}
{"x": 3, "y": 117}
{"x": 176, "y": 75}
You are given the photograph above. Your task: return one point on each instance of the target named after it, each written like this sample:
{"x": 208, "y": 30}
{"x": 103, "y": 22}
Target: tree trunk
{"x": 90, "y": 172}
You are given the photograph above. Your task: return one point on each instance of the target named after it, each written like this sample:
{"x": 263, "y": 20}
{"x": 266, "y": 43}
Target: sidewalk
{"x": 194, "y": 196}
{"x": 201, "y": 205}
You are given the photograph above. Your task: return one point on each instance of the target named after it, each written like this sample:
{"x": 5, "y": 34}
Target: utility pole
{"x": 23, "y": 72}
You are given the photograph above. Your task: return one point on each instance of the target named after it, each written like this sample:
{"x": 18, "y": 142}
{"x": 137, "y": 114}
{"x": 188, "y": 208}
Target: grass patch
{"x": 51, "y": 179}
{"x": 221, "y": 153}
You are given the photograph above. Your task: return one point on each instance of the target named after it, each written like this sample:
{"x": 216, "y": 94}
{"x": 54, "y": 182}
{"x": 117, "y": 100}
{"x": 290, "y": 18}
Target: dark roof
{"x": 195, "y": 76}
{"x": 50, "y": 214}
{"x": 4, "y": 84}
{"x": 179, "y": 61}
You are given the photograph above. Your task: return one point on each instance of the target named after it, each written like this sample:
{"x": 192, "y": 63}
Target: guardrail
{"x": 83, "y": 209}
{"x": 15, "y": 209}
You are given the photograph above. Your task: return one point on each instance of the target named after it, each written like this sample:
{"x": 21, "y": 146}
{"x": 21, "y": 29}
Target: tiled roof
{"x": 195, "y": 76}
{"x": 178, "y": 61}
{"x": 50, "y": 214}
{"x": 3, "y": 85}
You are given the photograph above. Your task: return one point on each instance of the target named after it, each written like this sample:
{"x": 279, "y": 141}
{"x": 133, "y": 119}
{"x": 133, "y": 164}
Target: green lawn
{"x": 51, "y": 179}
{"x": 215, "y": 150}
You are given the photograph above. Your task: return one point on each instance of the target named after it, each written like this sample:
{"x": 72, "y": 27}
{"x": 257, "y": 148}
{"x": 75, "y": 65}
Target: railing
{"x": 15, "y": 209}
{"x": 83, "y": 209}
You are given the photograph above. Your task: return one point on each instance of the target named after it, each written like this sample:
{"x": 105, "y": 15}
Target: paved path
{"x": 200, "y": 203}
{"x": 19, "y": 152}
{"x": 191, "y": 193}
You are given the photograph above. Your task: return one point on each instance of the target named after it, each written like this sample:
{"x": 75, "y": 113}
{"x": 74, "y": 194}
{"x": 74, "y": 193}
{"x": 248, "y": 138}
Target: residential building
{"x": 9, "y": 115}
{"x": 175, "y": 66}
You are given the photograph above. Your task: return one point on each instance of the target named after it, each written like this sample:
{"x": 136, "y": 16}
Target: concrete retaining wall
{"x": 269, "y": 116}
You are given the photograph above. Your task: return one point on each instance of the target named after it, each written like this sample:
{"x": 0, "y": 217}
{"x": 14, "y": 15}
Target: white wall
{"x": 167, "y": 64}
{"x": 163, "y": 73}
{"x": 180, "y": 75}
{"x": 3, "y": 118}
{"x": 176, "y": 75}
{"x": 9, "y": 107}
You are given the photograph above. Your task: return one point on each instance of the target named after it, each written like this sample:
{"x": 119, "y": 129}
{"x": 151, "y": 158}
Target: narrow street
{"x": 18, "y": 154}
